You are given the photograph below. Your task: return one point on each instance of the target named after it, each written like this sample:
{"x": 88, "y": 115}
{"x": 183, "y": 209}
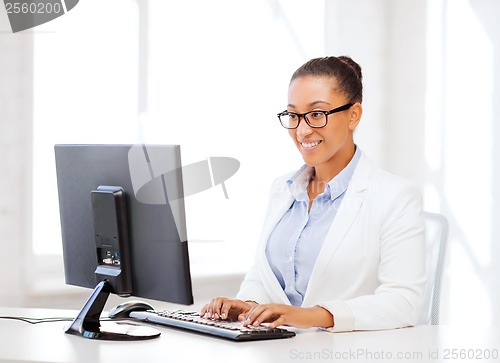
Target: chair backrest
{"x": 436, "y": 238}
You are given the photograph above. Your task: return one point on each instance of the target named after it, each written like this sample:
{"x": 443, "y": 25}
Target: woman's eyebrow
{"x": 314, "y": 103}
{"x": 319, "y": 101}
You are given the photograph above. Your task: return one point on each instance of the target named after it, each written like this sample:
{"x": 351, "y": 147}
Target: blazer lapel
{"x": 281, "y": 202}
{"x": 348, "y": 210}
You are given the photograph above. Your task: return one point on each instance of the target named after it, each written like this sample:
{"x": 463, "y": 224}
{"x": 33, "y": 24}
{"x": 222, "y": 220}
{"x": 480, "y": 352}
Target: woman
{"x": 343, "y": 242}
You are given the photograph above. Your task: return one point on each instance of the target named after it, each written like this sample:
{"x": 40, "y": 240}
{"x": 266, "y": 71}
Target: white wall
{"x": 432, "y": 80}
{"x": 486, "y": 17}
{"x": 387, "y": 38}
{"x": 15, "y": 160}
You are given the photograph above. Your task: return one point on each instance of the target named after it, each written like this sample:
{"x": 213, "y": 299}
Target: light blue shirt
{"x": 295, "y": 242}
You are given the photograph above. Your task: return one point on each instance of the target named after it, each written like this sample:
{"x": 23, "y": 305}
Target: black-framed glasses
{"x": 315, "y": 119}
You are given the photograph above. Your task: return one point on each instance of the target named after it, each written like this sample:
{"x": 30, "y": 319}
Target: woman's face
{"x": 332, "y": 143}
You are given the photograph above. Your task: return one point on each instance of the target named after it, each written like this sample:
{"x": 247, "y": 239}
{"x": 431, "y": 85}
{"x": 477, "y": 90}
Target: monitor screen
{"x": 123, "y": 219}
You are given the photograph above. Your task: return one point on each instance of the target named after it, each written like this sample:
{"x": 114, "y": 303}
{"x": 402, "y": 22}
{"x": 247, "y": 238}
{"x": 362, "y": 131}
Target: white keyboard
{"x": 190, "y": 320}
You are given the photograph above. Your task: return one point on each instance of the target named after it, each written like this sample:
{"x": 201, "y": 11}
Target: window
{"x": 85, "y": 91}
{"x": 209, "y": 76}
{"x": 459, "y": 136}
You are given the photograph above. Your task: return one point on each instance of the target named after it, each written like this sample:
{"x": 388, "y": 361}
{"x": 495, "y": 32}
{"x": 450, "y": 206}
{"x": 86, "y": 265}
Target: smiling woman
{"x": 343, "y": 241}
{"x": 326, "y": 146}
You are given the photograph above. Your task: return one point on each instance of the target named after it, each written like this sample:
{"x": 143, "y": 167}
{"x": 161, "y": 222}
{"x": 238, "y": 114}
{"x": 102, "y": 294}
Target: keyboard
{"x": 190, "y": 320}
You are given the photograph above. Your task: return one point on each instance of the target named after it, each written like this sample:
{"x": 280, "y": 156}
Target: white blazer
{"x": 370, "y": 272}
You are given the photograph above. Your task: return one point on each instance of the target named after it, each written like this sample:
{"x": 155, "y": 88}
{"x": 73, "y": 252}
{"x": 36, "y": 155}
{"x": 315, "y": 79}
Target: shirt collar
{"x": 298, "y": 182}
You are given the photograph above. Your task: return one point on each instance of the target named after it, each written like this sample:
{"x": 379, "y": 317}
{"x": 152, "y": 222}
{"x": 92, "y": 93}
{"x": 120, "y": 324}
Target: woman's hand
{"x": 278, "y": 314}
{"x": 224, "y": 308}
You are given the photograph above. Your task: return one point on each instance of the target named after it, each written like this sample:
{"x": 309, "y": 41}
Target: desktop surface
{"x": 47, "y": 342}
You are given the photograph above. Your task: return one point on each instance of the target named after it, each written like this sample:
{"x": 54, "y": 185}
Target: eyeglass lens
{"x": 313, "y": 118}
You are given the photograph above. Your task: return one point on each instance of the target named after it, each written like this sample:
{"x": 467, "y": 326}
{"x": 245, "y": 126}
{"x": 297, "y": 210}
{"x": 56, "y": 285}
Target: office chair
{"x": 436, "y": 238}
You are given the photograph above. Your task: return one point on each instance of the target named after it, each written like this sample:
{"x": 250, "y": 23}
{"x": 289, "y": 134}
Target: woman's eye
{"x": 316, "y": 115}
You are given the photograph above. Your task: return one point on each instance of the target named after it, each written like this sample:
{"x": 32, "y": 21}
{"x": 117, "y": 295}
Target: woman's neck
{"x": 327, "y": 171}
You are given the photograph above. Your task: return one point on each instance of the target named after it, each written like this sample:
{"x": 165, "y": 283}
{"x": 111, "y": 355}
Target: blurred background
{"x": 211, "y": 76}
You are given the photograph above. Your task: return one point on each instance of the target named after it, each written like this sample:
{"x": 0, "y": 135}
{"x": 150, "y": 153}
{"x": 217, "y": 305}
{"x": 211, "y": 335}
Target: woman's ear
{"x": 355, "y": 114}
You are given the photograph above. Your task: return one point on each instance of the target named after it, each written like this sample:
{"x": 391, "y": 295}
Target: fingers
{"x": 264, "y": 314}
{"x": 227, "y": 305}
{"x": 224, "y": 308}
{"x": 275, "y": 315}
{"x": 204, "y": 310}
{"x": 280, "y": 321}
{"x": 212, "y": 309}
{"x": 254, "y": 315}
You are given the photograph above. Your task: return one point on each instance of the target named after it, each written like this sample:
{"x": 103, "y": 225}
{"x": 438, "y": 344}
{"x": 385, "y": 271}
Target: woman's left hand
{"x": 280, "y": 314}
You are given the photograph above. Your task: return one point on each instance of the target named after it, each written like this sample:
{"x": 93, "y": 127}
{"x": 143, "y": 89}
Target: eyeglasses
{"x": 315, "y": 119}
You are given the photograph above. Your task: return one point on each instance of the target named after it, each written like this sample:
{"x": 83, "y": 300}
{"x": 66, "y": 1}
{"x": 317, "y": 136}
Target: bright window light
{"x": 459, "y": 129}
{"x": 85, "y": 91}
{"x": 215, "y": 74}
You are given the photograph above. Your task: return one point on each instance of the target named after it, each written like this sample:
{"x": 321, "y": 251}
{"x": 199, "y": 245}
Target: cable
{"x": 50, "y": 320}
{"x": 36, "y": 320}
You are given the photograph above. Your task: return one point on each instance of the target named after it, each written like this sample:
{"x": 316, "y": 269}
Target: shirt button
{"x": 290, "y": 259}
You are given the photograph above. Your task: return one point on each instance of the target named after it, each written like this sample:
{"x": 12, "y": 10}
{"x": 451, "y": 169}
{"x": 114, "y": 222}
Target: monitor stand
{"x": 88, "y": 324}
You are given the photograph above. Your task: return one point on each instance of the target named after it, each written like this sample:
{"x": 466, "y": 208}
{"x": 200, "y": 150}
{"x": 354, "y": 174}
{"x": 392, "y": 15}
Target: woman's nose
{"x": 303, "y": 129}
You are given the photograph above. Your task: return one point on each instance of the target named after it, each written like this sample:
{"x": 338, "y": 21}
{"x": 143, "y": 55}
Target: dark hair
{"x": 346, "y": 72}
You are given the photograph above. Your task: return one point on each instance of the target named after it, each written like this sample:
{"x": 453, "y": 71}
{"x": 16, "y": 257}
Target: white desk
{"x": 23, "y": 342}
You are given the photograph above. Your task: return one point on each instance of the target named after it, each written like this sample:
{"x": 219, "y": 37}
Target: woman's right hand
{"x": 225, "y": 308}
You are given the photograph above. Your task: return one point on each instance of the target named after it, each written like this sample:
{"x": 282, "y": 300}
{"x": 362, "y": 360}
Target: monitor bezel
{"x": 159, "y": 257}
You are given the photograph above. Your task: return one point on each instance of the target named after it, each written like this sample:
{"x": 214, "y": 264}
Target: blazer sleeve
{"x": 252, "y": 288}
{"x": 397, "y": 301}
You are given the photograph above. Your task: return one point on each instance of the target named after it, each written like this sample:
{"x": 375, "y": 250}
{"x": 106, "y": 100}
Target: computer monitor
{"x": 123, "y": 228}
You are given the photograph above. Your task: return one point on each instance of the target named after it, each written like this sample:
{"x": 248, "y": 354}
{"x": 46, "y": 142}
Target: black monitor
{"x": 123, "y": 228}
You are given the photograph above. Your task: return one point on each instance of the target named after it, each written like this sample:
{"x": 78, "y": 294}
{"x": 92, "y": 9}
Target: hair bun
{"x": 355, "y": 66}
{"x": 345, "y": 72}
